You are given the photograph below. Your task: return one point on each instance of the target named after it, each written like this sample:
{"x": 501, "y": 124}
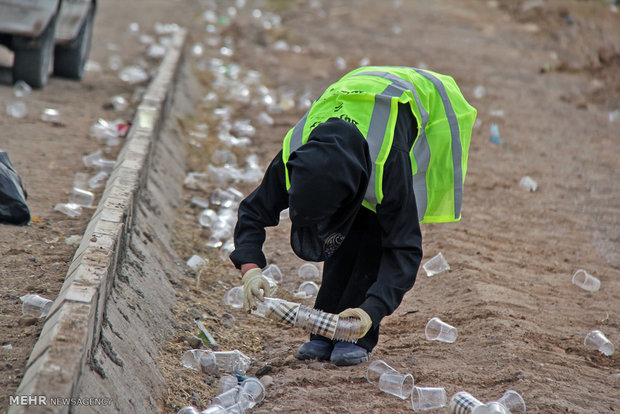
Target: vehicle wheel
{"x": 33, "y": 57}
{"x": 70, "y": 59}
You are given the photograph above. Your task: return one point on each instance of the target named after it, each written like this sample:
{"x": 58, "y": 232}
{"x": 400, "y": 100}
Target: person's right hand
{"x": 255, "y": 286}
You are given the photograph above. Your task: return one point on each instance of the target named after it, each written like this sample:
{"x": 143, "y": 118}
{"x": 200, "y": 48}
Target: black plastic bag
{"x": 13, "y": 195}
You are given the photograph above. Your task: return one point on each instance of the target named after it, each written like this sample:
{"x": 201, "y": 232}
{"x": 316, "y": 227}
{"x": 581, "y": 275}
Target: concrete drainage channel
{"x": 98, "y": 348}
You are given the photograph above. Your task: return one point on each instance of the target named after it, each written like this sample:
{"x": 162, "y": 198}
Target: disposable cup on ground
{"x": 376, "y": 369}
{"x": 463, "y": 403}
{"x": 597, "y": 340}
{"x": 586, "y": 281}
{"x": 35, "y": 305}
{"x": 436, "y": 265}
{"x": 255, "y": 388}
{"x": 308, "y": 271}
{"x": 492, "y": 407}
{"x": 399, "y": 385}
{"x": 513, "y": 401}
{"x": 308, "y": 289}
{"x": 272, "y": 271}
{"x": 234, "y": 297}
{"x": 226, "y": 382}
{"x": 188, "y": 410}
{"x": 214, "y": 409}
{"x": 438, "y": 330}
{"x": 234, "y": 396}
{"x": 428, "y": 398}
{"x": 199, "y": 360}
{"x": 232, "y": 361}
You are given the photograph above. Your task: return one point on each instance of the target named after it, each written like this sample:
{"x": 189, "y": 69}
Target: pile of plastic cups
{"x": 236, "y": 394}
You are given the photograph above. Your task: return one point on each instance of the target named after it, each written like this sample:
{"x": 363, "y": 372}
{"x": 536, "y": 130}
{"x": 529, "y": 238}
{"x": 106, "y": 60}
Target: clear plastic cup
{"x": 255, "y": 388}
{"x": 513, "y": 401}
{"x": 35, "y": 305}
{"x": 272, "y": 271}
{"x": 586, "y": 281}
{"x": 235, "y": 397}
{"x": 376, "y": 369}
{"x": 492, "y": 407}
{"x": 438, "y": 330}
{"x": 308, "y": 271}
{"x": 234, "y": 297}
{"x": 214, "y": 409}
{"x": 308, "y": 289}
{"x": 199, "y": 360}
{"x": 81, "y": 197}
{"x": 399, "y": 385}
{"x": 188, "y": 410}
{"x": 232, "y": 361}
{"x": 428, "y": 398}
{"x": 436, "y": 265}
{"x": 597, "y": 340}
{"x": 226, "y": 382}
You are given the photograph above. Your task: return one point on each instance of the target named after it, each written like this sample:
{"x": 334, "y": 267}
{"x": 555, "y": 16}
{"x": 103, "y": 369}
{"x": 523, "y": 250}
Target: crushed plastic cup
{"x": 81, "y": 197}
{"x": 308, "y": 271}
{"x": 98, "y": 180}
{"x": 307, "y": 289}
{"x": 69, "y": 209}
{"x": 528, "y": 183}
{"x": 17, "y": 109}
{"x": 479, "y": 92}
{"x": 376, "y": 369}
{"x": 438, "y": 330}
{"x": 35, "y": 305}
{"x": 133, "y": 74}
{"x": 586, "y": 281}
{"x": 50, "y": 115}
{"x": 399, "y": 385}
{"x": 226, "y": 383}
{"x": 597, "y": 340}
{"x": 195, "y": 262}
{"x": 463, "y": 402}
{"x": 273, "y": 271}
{"x": 255, "y": 388}
{"x": 428, "y": 398}
{"x": 232, "y": 361}
{"x": 436, "y": 265}
{"x": 226, "y": 198}
{"x": 90, "y": 159}
{"x": 234, "y": 297}
{"x": 117, "y": 103}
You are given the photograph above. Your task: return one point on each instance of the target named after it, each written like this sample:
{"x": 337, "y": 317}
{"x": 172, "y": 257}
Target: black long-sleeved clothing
{"x": 380, "y": 256}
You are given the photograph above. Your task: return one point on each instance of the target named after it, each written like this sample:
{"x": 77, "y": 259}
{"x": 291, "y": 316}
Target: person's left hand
{"x": 255, "y": 287}
{"x": 366, "y": 322}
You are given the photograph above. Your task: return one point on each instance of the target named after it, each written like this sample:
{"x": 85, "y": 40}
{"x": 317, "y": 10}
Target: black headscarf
{"x": 329, "y": 176}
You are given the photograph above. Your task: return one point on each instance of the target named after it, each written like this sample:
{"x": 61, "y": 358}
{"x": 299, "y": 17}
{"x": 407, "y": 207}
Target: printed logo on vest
{"x": 332, "y": 243}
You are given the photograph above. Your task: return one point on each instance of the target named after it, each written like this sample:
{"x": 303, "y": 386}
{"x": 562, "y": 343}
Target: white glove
{"x": 255, "y": 286}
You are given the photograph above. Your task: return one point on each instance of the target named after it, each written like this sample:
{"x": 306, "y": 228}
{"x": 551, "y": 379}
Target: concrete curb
{"x": 73, "y": 328}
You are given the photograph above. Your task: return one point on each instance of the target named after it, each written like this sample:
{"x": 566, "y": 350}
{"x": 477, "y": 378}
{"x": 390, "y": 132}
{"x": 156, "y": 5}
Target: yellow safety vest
{"x": 368, "y": 98}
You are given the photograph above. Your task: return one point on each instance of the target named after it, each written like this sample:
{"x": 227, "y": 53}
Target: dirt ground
{"x": 551, "y": 77}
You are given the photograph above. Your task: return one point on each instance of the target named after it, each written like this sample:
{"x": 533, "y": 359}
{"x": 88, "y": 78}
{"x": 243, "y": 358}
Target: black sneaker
{"x": 346, "y": 353}
{"x": 315, "y": 349}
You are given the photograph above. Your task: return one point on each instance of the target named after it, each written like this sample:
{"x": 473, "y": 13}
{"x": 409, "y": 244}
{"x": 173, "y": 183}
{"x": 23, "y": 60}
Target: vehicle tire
{"x": 70, "y": 58}
{"x": 33, "y": 57}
